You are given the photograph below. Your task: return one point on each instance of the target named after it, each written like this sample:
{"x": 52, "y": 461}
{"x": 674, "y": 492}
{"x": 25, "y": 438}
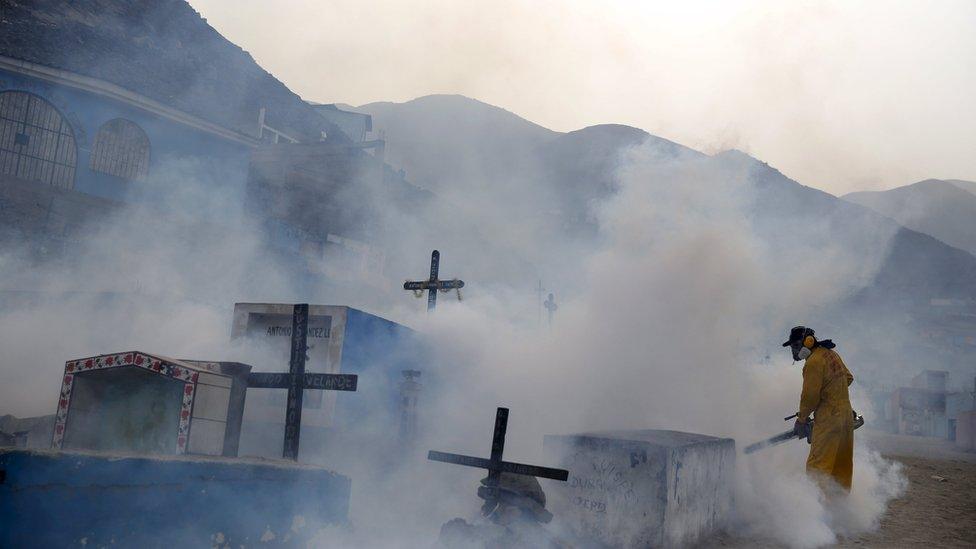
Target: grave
{"x": 144, "y": 456}
{"x": 514, "y": 506}
{"x": 340, "y": 341}
{"x": 495, "y": 465}
{"x": 434, "y": 284}
{"x": 646, "y": 488}
{"x": 136, "y": 402}
{"x": 297, "y": 381}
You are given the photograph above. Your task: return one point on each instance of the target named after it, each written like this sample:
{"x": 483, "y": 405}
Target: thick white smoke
{"x": 664, "y": 324}
{"x": 677, "y": 309}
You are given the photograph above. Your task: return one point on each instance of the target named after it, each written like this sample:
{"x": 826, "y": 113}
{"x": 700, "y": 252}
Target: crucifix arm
{"x": 502, "y": 466}
{"x": 310, "y": 380}
{"x": 433, "y": 284}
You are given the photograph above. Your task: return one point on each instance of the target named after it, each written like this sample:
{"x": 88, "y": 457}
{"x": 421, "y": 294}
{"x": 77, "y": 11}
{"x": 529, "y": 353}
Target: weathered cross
{"x": 296, "y": 381}
{"x": 495, "y": 465}
{"x": 433, "y": 284}
{"x": 551, "y": 307}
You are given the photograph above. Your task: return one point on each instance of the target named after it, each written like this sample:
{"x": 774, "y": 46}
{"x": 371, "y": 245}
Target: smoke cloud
{"x": 844, "y": 96}
{"x": 665, "y": 322}
{"x": 667, "y": 314}
{"x": 673, "y": 312}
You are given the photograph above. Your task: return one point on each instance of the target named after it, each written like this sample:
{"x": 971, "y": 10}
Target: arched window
{"x": 36, "y": 142}
{"x": 122, "y": 149}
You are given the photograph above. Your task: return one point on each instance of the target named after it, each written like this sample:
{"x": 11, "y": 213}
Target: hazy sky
{"x": 839, "y": 95}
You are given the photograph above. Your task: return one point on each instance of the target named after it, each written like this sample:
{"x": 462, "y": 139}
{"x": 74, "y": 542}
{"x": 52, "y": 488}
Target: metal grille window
{"x": 36, "y": 142}
{"x": 121, "y": 149}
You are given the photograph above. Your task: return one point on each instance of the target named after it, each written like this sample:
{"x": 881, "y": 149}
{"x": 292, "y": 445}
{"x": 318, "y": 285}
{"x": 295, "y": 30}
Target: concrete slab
{"x": 62, "y": 499}
{"x": 647, "y": 488}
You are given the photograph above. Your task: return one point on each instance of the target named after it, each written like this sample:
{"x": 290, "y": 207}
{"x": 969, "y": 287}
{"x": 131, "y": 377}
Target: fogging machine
{"x": 791, "y": 434}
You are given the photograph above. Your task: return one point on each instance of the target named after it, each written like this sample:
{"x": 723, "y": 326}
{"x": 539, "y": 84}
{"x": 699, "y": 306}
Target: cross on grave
{"x": 433, "y": 284}
{"x": 296, "y": 381}
{"x": 495, "y": 465}
{"x": 551, "y": 307}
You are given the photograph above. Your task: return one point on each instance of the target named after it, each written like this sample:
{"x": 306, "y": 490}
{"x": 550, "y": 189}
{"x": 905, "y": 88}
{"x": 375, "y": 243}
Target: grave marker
{"x": 495, "y": 465}
{"x": 296, "y": 381}
{"x": 433, "y": 284}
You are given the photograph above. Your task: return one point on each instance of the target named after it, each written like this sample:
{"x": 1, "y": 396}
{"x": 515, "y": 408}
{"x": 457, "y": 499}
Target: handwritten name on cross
{"x": 495, "y": 465}
{"x": 296, "y": 381}
{"x": 433, "y": 284}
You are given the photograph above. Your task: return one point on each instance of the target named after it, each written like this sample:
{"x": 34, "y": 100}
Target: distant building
{"x": 76, "y": 133}
{"x": 354, "y": 125}
{"x": 920, "y": 409}
{"x": 965, "y": 430}
{"x": 931, "y": 380}
{"x": 109, "y": 102}
{"x": 337, "y": 234}
{"x": 960, "y": 407}
{"x": 97, "y": 95}
{"x": 104, "y": 103}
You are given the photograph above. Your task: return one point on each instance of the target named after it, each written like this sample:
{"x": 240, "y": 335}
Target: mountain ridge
{"x": 944, "y": 209}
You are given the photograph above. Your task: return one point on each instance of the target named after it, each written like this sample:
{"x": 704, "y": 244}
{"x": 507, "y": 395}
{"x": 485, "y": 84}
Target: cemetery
{"x": 486, "y": 275}
{"x": 145, "y": 449}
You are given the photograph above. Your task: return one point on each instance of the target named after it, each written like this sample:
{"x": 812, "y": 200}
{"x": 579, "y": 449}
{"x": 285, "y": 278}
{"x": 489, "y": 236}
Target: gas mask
{"x": 801, "y": 342}
{"x": 799, "y": 351}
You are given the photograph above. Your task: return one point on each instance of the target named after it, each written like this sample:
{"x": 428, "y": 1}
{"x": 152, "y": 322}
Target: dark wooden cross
{"x": 495, "y": 465}
{"x": 296, "y": 381}
{"x": 551, "y": 307}
{"x": 433, "y": 284}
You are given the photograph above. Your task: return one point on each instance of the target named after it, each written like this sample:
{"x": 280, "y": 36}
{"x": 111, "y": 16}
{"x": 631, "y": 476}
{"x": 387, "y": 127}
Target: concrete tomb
{"x": 130, "y": 424}
{"x": 341, "y": 340}
{"x": 965, "y": 430}
{"x": 961, "y": 411}
{"x": 136, "y": 402}
{"x": 642, "y": 488}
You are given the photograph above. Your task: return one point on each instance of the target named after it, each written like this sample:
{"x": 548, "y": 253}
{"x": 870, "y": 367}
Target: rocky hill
{"x": 463, "y": 146}
{"x": 445, "y": 140}
{"x": 945, "y": 210}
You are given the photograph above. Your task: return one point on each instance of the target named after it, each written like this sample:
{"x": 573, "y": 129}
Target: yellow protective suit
{"x": 825, "y": 382}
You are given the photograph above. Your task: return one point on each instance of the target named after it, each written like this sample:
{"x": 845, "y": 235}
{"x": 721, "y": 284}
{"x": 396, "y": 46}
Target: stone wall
{"x": 46, "y": 219}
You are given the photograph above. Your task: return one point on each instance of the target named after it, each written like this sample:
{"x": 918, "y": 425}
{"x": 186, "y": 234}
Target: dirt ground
{"x": 931, "y": 513}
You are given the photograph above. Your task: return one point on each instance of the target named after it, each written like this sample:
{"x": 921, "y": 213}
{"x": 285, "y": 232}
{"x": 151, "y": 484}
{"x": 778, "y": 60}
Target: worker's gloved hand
{"x": 801, "y": 429}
